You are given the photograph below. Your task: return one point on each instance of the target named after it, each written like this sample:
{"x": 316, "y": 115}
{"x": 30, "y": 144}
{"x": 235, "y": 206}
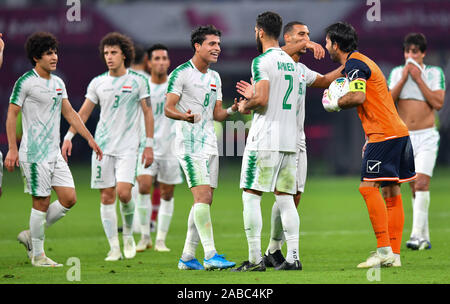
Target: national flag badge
{"x": 213, "y": 87}
{"x": 58, "y": 92}
{"x": 127, "y": 89}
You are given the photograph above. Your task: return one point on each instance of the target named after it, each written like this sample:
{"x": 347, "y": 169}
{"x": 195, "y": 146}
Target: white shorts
{"x": 302, "y": 166}
{"x": 112, "y": 170}
{"x": 268, "y": 171}
{"x": 425, "y": 146}
{"x": 39, "y": 178}
{"x": 167, "y": 171}
{"x": 200, "y": 169}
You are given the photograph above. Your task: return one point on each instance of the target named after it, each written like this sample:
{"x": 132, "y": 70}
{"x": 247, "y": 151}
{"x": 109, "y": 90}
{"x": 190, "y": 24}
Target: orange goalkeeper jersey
{"x": 378, "y": 113}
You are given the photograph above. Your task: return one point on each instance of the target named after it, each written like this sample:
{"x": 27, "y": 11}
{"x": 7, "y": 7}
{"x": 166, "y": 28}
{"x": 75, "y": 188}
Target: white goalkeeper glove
{"x": 330, "y": 104}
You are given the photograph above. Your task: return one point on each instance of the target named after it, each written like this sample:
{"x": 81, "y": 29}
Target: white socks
{"x": 202, "y": 220}
{"x": 276, "y": 230}
{"x": 127, "y": 211}
{"x": 421, "y": 203}
{"x": 55, "y": 212}
{"x": 253, "y": 225}
{"x": 37, "y": 228}
{"x": 291, "y": 225}
{"x": 109, "y": 220}
{"x": 144, "y": 209}
{"x": 192, "y": 239}
{"x": 164, "y": 218}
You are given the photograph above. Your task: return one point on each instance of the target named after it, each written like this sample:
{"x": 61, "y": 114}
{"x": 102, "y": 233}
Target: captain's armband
{"x": 358, "y": 85}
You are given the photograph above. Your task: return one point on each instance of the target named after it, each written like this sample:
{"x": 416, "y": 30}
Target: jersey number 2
{"x": 289, "y": 78}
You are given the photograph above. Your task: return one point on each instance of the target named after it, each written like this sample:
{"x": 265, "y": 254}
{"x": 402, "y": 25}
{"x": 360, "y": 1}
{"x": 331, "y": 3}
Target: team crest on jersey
{"x": 59, "y": 92}
{"x": 127, "y": 89}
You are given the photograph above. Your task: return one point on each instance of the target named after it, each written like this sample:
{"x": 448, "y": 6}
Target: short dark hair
{"x": 271, "y": 23}
{"x": 124, "y": 42}
{"x": 139, "y": 54}
{"x": 344, "y": 34}
{"x": 39, "y": 43}
{"x": 198, "y": 35}
{"x": 290, "y": 26}
{"x": 155, "y": 47}
{"x": 418, "y": 39}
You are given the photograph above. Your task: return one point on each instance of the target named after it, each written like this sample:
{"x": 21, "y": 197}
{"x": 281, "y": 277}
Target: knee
{"x": 421, "y": 185}
{"x": 167, "y": 195}
{"x": 107, "y": 197}
{"x": 124, "y": 195}
{"x": 71, "y": 201}
{"x": 144, "y": 187}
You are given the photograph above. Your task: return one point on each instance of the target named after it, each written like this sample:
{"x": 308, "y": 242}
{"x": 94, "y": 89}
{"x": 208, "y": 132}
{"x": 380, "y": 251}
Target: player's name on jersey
{"x": 285, "y": 66}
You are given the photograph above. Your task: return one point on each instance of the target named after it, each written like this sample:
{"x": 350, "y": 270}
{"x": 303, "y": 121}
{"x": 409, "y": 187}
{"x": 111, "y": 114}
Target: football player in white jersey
{"x": 194, "y": 100}
{"x": 297, "y": 42}
{"x": 123, "y": 97}
{"x": 419, "y": 91}
{"x": 165, "y": 166}
{"x": 269, "y": 160}
{"x": 42, "y": 97}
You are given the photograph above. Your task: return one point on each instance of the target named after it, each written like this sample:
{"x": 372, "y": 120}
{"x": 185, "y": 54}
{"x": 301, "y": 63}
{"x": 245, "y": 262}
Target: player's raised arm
{"x": 220, "y": 114}
{"x": 84, "y": 113}
{"x": 257, "y": 95}
{"x": 147, "y": 155}
{"x": 76, "y": 123}
{"x": 12, "y": 158}
{"x": 324, "y": 81}
{"x": 171, "y": 111}
{"x": 2, "y": 47}
{"x": 434, "y": 98}
{"x": 294, "y": 48}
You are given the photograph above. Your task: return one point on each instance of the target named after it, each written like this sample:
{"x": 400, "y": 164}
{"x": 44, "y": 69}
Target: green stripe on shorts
{"x": 190, "y": 171}
{"x": 250, "y": 172}
{"x": 34, "y": 179}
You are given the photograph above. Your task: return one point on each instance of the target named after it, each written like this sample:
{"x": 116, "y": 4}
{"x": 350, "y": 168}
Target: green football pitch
{"x": 335, "y": 235}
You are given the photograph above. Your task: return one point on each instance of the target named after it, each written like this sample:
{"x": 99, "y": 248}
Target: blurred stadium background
{"x": 334, "y": 141}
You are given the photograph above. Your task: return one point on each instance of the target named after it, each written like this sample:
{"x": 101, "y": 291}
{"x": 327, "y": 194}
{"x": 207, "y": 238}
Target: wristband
{"x": 230, "y": 111}
{"x": 149, "y": 142}
{"x": 69, "y": 136}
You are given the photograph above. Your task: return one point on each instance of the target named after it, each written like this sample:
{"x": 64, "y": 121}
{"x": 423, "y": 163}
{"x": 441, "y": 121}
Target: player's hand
{"x": 245, "y": 89}
{"x": 11, "y": 160}
{"x": 414, "y": 71}
{"x": 240, "y": 106}
{"x": 95, "y": 148}
{"x": 189, "y": 117}
{"x": 235, "y": 106}
{"x": 317, "y": 49}
{"x": 147, "y": 157}
{"x": 330, "y": 104}
{"x": 66, "y": 149}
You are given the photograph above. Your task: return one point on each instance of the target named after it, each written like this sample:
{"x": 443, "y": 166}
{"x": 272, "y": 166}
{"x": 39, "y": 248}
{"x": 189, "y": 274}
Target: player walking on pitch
{"x": 165, "y": 166}
{"x": 42, "y": 97}
{"x": 123, "y": 96}
{"x": 419, "y": 91}
{"x": 194, "y": 99}
{"x": 388, "y": 155}
{"x": 269, "y": 160}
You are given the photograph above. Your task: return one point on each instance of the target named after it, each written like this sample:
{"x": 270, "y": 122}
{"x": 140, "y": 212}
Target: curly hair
{"x": 39, "y": 43}
{"x": 124, "y": 42}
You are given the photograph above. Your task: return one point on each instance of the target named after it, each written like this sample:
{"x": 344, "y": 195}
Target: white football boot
{"x": 25, "y": 239}
{"x": 44, "y": 261}
{"x": 397, "y": 262}
{"x": 161, "y": 246}
{"x": 144, "y": 244}
{"x": 376, "y": 260}
{"x": 114, "y": 255}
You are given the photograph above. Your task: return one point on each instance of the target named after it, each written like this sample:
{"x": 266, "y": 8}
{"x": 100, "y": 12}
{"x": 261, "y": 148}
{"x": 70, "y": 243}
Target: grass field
{"x": 335, "y": 235}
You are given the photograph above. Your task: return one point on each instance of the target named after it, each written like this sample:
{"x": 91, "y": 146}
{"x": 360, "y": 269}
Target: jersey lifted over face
{"x": 40, "y": 100}
{"x": 274, "y": 128}
{"x": 118, "y": 129}
{"x": 198, "y": 92}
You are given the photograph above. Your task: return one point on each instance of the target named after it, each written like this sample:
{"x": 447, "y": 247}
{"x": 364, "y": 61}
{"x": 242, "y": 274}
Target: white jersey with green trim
{"x": 118, "y": 129}
{"x": 198, "y": 92}
{"x": 40, "y": 100}
{"x": 274, "y": 127}
{"x": 432, "y": 75}
{"x": 307, "y": 78}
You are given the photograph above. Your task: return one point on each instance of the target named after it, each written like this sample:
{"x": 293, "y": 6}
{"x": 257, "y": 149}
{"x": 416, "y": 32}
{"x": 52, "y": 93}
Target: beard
{"x": 259, "y": 45}
{"x": 334, "y": 57}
